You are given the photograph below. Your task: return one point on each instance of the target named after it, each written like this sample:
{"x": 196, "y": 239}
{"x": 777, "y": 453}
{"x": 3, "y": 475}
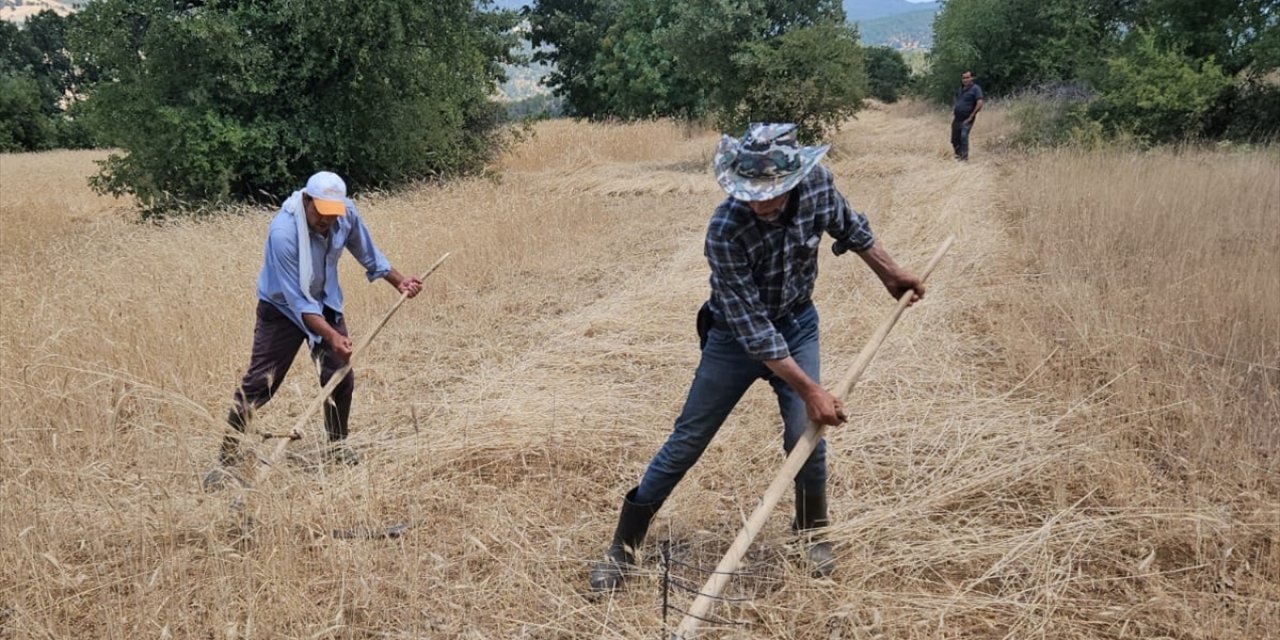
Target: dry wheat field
{"x": 1074, "y": 436}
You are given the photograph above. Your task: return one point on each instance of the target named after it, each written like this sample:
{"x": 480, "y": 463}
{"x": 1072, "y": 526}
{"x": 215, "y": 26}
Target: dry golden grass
{"x": 1169, "y": 262}
{"x": 1161, "y": 271}
{"x": 45, "y": 197}
{"x": 506, "y": 410}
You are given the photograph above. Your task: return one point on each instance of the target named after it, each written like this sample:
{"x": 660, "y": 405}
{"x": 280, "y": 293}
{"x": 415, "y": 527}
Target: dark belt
{"x": 708, "y": 320}
{"x": 714, "y": 320}
{"x": 795, "y": 310}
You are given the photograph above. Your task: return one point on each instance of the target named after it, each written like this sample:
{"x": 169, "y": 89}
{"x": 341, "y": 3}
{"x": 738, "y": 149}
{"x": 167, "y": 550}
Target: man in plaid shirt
{"x": 762, "y": 246}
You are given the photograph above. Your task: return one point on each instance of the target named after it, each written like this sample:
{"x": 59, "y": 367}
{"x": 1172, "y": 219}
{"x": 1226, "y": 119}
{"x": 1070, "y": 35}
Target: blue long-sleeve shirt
{"x": 761, "y": 270}
{"x": 278, "y": 282}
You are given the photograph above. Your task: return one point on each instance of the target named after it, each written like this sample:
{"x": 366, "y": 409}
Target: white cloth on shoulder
{"x": 294, "y": 206}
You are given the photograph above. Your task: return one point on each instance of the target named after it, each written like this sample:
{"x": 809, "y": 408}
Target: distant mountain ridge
{"x": 862, "y": 10}
{"x": 903, "y": 31}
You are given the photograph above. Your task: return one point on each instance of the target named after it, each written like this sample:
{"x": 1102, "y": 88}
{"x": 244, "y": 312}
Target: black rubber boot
{"x": 811, "y": 518}
{"x": 228, "y": 455}
{"x": 337, "y": 413}
{"x": 633, "y": 524}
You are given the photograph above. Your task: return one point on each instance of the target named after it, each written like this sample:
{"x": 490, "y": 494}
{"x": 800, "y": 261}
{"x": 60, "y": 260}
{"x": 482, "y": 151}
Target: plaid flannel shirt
{"x": 761, "y": 271}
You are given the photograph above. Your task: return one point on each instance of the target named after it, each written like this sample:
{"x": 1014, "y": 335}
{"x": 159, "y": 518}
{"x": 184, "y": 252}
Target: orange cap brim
{"x": 330, "y": 207}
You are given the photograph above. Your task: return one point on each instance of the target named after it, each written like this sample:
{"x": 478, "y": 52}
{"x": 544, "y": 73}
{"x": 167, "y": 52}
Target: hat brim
{"x": 758, "y": 189}
{"x": 333, "y": 208}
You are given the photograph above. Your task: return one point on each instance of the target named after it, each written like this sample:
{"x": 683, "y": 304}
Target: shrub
{"x": 887, "y": 73}
{"x": 23, "y": 123}
{"x": 1051, "y": 115}
{"x": 1156, "y": 93}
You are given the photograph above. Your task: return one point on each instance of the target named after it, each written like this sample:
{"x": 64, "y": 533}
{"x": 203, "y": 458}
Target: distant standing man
{"x": 762, "y": 246}
{"x": 300, "y": 300}
{"x": 967, "y": 104}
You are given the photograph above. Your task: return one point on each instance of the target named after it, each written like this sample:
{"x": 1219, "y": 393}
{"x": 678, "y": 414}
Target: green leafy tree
{"x": 1243, "y": 39}
{"x": 1176, "y": 52}
{"x": 609, "y": 59}
{"x": 235, "y": 100}
{"x": 738, "y": 53}
{"x": 1015, "y": 44}
{"x": 1250, "y": 110}
{"x": 39, "y": 86}
{"x": 1238, "y": 34}
{"x": 810, "y": 75}
{"x": 735, "y": 60}
{"x": 23, "y": 124}
{"x": 635, "y": 76}
{"x": 47, "y": 32}
{"x": 20, "y": 56}
{"x": 706, "y": 35}
{"x": 569, "y": 33}
{"x": 887, "y": 73}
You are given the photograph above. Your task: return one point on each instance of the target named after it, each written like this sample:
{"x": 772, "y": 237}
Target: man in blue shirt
{"x": 762, "y": 247}
{"x": 300, "y": 300}
{"x": 965, "y": 108}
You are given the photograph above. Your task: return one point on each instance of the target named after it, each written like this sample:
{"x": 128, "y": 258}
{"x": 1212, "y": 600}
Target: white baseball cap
{"x": 329, "y": 193}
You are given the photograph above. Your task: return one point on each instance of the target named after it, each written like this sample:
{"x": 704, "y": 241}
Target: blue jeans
{"x": 723, "y": 376}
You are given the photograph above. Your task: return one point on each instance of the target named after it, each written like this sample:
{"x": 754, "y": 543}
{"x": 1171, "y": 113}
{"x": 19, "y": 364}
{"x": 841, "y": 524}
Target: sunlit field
{"x": 1073, "y": 436}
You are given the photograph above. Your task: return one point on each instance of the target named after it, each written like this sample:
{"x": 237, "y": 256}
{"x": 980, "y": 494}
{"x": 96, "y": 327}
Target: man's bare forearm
{"x": 394, "y": 277}
{"x": 820, "y": 405}
{"x": 791, "y": 373}
{"x": 319, "y": 326}
{"x": 881, "y": 263}
{"x": 407, "y": 286}
{"x": 896, "y": 279}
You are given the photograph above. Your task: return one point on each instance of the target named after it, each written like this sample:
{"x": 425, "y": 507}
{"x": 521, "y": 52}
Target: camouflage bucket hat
{"x": 767, "y": 162}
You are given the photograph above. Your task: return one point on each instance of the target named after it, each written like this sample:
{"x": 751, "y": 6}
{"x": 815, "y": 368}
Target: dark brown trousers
{"x": 276, "y": 340}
